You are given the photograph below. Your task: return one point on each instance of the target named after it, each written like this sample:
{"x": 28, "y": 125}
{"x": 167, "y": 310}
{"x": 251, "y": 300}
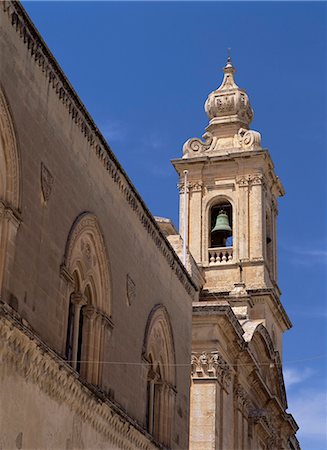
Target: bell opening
{"x": 221, "y": 226}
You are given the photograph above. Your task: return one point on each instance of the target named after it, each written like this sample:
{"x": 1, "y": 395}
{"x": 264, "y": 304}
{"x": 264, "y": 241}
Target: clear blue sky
{"x": 144, "y": 70}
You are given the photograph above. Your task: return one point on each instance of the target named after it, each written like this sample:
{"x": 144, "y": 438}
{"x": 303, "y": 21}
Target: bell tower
{"x": 232, "y": 193}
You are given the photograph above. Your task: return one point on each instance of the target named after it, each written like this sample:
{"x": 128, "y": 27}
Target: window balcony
{"x": 220, "y": 255}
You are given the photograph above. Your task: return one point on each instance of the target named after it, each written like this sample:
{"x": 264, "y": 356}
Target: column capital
{"x": 78, "y": 299}
{"x": 90, "y": 312}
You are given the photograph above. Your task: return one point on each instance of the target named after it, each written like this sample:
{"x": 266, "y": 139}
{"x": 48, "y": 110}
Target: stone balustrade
{"x": 220, "y": 255}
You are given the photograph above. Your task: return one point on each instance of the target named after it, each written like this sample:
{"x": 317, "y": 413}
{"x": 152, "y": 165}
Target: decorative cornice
{"x": 43, "y": 59}
{"x": 32, "y": 359}
{"x": 206, "y": 309}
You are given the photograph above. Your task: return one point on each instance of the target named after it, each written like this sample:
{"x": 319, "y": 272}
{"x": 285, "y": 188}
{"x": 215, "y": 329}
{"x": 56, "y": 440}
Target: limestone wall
{"x": 66, "y": 169}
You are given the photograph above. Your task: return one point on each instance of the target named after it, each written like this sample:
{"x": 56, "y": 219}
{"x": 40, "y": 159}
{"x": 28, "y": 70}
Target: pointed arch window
{"x": 159, "y": 355}
{"x": 10, "y": 196}
{"x": 89, "y": 325}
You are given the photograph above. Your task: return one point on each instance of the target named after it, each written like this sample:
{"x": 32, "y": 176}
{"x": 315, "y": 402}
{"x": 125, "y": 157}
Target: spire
{"x": 229, "y": 61}
{"x": 229, "y": 70}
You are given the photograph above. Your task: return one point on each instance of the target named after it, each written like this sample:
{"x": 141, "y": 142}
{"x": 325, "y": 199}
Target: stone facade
{"x": 97, "y": 349}
{"x": 95, "y": 344}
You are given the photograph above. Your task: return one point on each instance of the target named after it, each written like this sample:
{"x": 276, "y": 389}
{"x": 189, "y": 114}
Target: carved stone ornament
{"x": 46, "y": 182}
{"x": 196, "y": 146}
{"x": 196, "y": 187}
{"x": 211, "y": 365}
{"x": 130, "y": 290}
{"x": 242, "y": 398}
{"x": 248, "y": 139}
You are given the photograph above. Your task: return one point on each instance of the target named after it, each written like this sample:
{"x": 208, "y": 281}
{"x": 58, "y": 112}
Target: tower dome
{"x": 228, "y": 107}
{"x": 230, "y": 115}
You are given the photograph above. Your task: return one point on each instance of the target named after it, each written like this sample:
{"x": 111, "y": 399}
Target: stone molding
{"x": 211, "y": 365}
{"x": 242, "y": 398}
{"x": 24, "y": 352}
{"x": 191, "y": 187}
{"x": 11, "y": 214}
{"x": 13, "y": 191}
{"x": 67, "y": 96}
{"x": 251, "y": 180}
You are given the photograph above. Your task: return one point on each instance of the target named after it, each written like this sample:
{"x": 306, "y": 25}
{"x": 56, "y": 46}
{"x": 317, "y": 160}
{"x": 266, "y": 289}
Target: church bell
{"x": 222, "y": 224}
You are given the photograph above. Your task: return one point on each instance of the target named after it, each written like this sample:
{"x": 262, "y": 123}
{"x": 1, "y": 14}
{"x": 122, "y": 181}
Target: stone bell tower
{"x": 232, "y": 193}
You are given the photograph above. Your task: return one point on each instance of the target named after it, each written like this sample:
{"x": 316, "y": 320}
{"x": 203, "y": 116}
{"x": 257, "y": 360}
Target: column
{"x": 89, "y": 368}
{"x": 9, "y": 224}
{"x": 241, "y": 226}
{"x": 195, "y": 222}
{"x": 78, "y": 300}
{"x": 256, "y": 217}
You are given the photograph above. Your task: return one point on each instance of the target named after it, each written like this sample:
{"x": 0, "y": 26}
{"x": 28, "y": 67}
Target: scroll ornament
{"x": 248, "y": 139}
{"x": 195, "y": 145}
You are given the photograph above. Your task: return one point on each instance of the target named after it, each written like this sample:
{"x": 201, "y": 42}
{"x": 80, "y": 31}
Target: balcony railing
{"x": 220, "y": 255}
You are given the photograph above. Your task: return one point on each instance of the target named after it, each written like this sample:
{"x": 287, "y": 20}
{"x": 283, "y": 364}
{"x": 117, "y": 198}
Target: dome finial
{"x": 229, "y": 59}
{"x": 229, "y": 68}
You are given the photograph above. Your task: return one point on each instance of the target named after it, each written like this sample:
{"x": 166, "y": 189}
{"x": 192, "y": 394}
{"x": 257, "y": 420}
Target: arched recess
{"x": 87, "y": 292}
{"x": 269, "y": 362}
{"x": 220, "y": 243}
{"x": 159, "y": 353}
{"x": 10, "y": 198}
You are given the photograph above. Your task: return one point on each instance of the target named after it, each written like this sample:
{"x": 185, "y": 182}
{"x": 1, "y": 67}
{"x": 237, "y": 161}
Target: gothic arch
{"x": 269, "y": 362}
{"x": 10, "y": 198}
{"x": 86, "y": 255}
{"x": 10, "y": 176}
{"x": 159, "y": 353}
{"x": 88, "y": 297}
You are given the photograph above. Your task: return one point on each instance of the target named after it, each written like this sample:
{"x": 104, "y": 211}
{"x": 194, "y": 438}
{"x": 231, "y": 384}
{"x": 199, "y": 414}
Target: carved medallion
{"x": 130, "y": 290}
{"x": 46, "y": 182}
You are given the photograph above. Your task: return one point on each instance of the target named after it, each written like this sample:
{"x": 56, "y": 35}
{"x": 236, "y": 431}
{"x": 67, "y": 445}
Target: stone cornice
{"x": 45, "y": 61}
{"x": 32, "y": 359}
{"x": 181, "y": 164}
{"x": 213, "y": 310}
{"x": 279, "y": 306}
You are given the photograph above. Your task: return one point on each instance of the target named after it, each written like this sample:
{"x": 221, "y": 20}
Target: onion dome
{"x": 228, "y": 107}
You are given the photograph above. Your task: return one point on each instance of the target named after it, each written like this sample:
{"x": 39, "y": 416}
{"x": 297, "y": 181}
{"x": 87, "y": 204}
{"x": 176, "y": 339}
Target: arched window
{"x": 220, "y": 232}
{"x": 159, "y": 354}
{"x": 9, "y": 194}
{"x": 89, "y": 299}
